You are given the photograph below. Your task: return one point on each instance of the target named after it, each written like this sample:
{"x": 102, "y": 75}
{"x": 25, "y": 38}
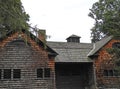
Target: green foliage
{"x": 115, "y": 52}
{"x": 12, "y": 16}
{"x": 106, "y": 14}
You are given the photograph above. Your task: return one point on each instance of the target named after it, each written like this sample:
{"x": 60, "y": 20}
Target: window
{"x": 110, "y": 73}
{"x": 16, "y": 73}
{"x": 0, "y": 73}
{"x": 39, "y": 73}
{"x": 116, "y": 73}
{"x": 43, "y": 72}
{"x": 105, "y": 73}
{"x": 10, "y": 73}
{"x": 116, "y": 45}
{"x": 7, "y": 74}
{"x": 47, "y": 72}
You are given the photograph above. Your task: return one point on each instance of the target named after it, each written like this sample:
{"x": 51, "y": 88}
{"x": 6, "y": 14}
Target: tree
{"x": 106, "y": 14}
{"x": 12, "y": 16}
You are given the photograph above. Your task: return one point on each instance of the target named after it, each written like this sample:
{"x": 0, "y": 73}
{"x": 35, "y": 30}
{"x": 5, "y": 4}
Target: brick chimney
{"x": 73, "y": 38}
{"x": 42, "y": 35}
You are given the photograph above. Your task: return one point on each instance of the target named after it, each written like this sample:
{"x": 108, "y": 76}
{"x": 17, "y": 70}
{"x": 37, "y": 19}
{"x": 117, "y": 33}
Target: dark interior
{"x": 73, "y": 75}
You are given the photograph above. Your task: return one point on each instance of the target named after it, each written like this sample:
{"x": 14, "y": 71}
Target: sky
{"x": 61, "y": 18}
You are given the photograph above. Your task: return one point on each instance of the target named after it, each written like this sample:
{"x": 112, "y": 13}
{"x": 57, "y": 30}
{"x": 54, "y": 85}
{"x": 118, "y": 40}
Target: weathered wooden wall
{"x": 104, "y": 62}
{"x": 15, "y": 54}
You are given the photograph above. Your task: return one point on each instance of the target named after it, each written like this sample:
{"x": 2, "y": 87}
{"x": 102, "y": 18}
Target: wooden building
{"x": 85, "y": 65}
{"x": 105, "y": 74}
{"x": 28, "y": 62}
{"x": 74, "y": 70}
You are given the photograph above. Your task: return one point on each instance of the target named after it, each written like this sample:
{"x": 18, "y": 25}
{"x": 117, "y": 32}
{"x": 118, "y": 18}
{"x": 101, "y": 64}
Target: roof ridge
{"x": 99, "y": 45}
{"x": 33, "y": 37}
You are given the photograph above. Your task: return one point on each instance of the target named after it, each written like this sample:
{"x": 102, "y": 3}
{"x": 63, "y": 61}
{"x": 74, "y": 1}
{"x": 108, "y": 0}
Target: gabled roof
{"x": 98, "y": 45}
{"x": 71, "y": 52}
{"x": 73, "y": 36}
{"x": 33, "y": 37}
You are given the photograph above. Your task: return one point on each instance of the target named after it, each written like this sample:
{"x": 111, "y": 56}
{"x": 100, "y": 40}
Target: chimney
{"x": 42, "y": 35}
{"x": 74, "y": 39}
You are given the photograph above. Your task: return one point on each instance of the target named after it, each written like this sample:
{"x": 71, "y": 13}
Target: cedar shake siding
{"x": 20, "y": 61}
{"x": 106, "y": 78}
{"x": 27, "y": 62}
{"x": 74, "y": 70}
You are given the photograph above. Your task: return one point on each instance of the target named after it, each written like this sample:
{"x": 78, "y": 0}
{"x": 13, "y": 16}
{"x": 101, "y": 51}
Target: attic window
{"x": 73, "y": 39}
{"x": 110, "y": 73}
{"x": 116, "y": 45}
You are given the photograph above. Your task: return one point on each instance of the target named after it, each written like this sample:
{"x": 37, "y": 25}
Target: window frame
{"x": 7, "y": 74}
{"x": 45, "y": 74}
{"x": 41, "y": 73}
{"x": 110, "y": 73}
{"x": 0, "y": 74}
{"x": 116, "y": 45}
{"x": 16, "y": 73}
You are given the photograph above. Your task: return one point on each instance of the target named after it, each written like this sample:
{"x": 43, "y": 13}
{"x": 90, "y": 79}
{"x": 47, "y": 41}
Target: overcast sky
{"x": 61, "y": 18}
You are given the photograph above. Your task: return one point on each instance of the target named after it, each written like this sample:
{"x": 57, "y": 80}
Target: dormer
{"x": 73, "y": 38}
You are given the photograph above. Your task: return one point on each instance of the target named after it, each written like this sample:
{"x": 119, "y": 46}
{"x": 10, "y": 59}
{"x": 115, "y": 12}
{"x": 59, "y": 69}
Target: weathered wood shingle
{"x": 25, "y": 52}
{"x": 98, "y": 45}
{"x": 71, "y": 52}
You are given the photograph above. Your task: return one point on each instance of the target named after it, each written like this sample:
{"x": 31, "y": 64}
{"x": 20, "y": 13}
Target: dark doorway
{"x": 72, "y": 75}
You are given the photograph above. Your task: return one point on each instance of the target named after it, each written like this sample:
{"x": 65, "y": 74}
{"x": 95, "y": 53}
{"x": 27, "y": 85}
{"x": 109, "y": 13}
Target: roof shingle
{"x": 98, "y": 45}
{"x": 71, "y": 52}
